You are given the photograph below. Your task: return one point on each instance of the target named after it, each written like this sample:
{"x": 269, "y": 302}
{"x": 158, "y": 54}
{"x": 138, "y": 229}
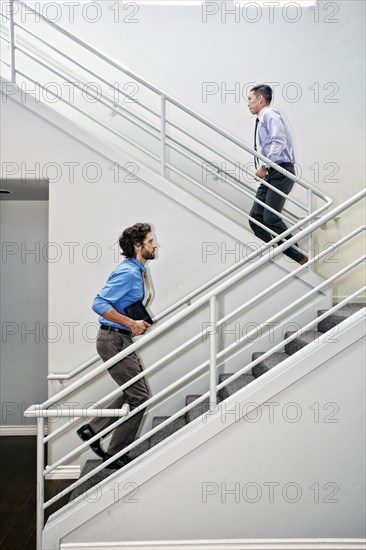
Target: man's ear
{"x": 136, "y": 246}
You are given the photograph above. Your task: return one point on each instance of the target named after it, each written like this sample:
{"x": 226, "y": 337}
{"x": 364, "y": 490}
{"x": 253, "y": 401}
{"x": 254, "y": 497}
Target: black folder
{"x": 138, "y": 312}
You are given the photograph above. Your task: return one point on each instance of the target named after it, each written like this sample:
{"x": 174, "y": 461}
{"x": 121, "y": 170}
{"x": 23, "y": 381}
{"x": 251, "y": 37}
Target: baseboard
{"x": 243, "y": 544}
{"x": 19, "y": 430}
{"x": 65, "y": 472}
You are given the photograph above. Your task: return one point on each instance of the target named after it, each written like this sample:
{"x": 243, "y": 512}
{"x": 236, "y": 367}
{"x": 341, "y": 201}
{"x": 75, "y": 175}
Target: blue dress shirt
{"x": 274, "y": 136}
{"x": 124, "y": 286}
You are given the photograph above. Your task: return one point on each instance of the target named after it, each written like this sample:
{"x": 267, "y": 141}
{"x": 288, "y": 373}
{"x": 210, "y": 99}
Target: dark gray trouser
{"x": 108, "y": 344}
{"x": 275, "y": 201}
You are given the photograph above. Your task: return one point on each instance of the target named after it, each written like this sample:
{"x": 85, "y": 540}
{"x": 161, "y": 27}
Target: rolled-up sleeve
{"x": 118, "y": 284}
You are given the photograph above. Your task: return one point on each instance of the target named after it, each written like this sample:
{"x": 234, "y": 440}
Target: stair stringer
{"x": 232, "y": 449}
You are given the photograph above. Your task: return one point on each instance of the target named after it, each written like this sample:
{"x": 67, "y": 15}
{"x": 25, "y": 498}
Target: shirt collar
{"x": 260, "y": 115}
{"x": 138, "y": 263}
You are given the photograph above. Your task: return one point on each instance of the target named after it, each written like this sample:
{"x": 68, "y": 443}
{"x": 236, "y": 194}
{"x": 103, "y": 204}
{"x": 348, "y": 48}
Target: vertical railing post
{"x": 310, "y": 236}
{"x": 40, "y": 481}
{"x": 213, "y": 352}
{"x": 12, "y": 42}
{"x": 163, "y": 135}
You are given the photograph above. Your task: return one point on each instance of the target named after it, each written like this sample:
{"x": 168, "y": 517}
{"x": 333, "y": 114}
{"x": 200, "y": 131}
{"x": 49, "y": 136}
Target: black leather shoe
{"x": 85, "y": 433}
{"x": 118, "y": 463}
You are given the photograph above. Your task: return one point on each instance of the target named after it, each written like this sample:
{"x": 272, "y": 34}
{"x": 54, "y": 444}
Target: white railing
{"x": 160, "y": 126}
{"x": 210, "y": 365}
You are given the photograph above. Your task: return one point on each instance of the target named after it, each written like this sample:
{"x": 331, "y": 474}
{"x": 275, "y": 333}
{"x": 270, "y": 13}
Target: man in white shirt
{"x": 275, "y": 141}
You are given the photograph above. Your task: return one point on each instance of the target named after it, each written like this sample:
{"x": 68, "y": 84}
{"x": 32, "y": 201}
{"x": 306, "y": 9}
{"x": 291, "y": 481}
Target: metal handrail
{"x": 188, "y": 298}
{"x": 40, "y": 412}
{"x": 234, "y": 207}
{"x": 194, "y": 339}
{"x": 173, "y": 101}
{"x": 203, "y": 397}
{"x": 230, "y": 204}
{"x": 201, "y": 334}
{"x": 155, "y": 135}
{"x": 116, "y": 110}
{"x": 203, "y": 300}
{"x": 41, "y": 409}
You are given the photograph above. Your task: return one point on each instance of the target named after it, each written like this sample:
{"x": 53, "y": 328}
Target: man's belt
{"x": 285, "y": 165}
{"x": 115, "y": 329}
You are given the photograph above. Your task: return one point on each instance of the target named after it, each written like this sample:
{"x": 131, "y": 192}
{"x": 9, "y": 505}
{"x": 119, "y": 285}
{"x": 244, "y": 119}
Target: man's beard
{"x": 147, "y": 255}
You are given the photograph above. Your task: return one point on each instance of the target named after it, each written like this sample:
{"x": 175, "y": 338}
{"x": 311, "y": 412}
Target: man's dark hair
{"x": 135, "y": 234}
{"x": 263, "y": 90}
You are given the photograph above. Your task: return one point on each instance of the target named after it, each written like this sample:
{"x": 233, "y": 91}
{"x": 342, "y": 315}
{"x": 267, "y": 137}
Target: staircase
{"x": 202, "y": 472}
{"x": 328, "y": 324}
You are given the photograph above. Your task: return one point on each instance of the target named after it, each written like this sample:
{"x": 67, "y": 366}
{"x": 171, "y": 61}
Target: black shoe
{"x": 118, "y": 463}
{"x": 85, "y": 433}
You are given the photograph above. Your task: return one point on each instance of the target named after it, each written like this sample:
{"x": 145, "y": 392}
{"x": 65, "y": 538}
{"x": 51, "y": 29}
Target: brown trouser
{"x": 108, "y": 344}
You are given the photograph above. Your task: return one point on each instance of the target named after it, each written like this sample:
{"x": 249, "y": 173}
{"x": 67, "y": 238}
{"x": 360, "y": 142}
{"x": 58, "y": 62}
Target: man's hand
{"x": 138, "y": 327}
{"x": 261, "y": 172}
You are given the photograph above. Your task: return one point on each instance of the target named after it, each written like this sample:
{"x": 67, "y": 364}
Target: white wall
{"x": 24, "y": 301}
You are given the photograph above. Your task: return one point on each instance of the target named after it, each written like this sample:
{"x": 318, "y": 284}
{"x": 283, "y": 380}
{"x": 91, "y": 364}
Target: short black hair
{"x": 135, "y": 234}
{"x": 263, "y": 90}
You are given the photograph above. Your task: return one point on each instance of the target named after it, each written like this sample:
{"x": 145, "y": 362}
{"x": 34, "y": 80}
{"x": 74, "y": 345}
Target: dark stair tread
{"x": 198, "y": 410}
{"x": 268, "y": 363}
{"x": 235, "y": 385}
{"x": 168, "y": 430}
{"x": 338, "y": 316}
{"x": 301, "y": 341}
{"x": 92, "y": 481}
{"x": 140, "y": 449}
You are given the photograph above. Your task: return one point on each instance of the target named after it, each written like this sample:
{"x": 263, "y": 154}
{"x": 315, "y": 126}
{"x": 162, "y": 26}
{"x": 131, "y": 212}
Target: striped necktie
{"x": 148, "y": 289}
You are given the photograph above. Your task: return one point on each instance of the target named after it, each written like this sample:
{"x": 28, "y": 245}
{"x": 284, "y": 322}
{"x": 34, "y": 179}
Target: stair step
{"x": 198, "y": 410}
{"x": 173, "y": 427}
{"x": 92, "y": 481}
{"x": 234, "y": 386}
{"x": 268, "y": 363}
{"x": 301, "y": 341}
{"x": 338, "y": 316}
{"x": 140, "y": 449}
